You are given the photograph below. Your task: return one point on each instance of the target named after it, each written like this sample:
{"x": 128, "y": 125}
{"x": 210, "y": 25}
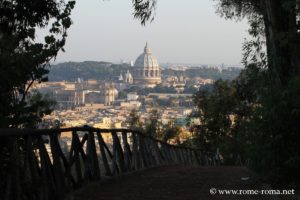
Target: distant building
{"x": 146, "y": 69}
{"x": 73, "y": 94}
{"x": 104, "y": 123}
{"x": 132, "y": 96}
{"x": 128, "y": 77}
{"x": 111, "y": 94}
{"x": 123, "y": 81}
{"x": 131, "y": 105}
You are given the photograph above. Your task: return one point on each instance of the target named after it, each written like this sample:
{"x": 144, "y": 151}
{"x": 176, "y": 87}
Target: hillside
{"x": 206, "y": 72}
{"x": 71, "y": 71}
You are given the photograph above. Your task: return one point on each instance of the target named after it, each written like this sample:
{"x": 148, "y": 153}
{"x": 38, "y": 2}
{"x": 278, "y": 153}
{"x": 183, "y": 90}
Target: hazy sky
{"x": 184, "y": 31}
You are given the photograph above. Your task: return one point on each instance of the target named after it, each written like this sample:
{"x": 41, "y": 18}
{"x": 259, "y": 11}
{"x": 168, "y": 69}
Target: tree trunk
{"x": 282, "y": 40}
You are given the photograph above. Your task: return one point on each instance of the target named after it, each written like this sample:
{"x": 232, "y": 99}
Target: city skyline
{"x": 181, "y": 33}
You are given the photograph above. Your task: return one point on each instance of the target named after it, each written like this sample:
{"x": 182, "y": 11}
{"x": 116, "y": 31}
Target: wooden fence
{"x": 40, "y": 166}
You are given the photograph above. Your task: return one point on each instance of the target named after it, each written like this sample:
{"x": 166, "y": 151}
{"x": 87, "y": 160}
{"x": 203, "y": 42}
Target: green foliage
{"x": 275, "y": 133}
{"x": 275, "y": 31}
{"x": 122, "y": 95}
{"x": 215, "y": 110}
{"x": 250, "y": 115}
{"x": 134, "y": 121}
{"x": 24, "y": 61}
{"x": 270, "y": 103}
{"x": 144, "y": 10}
{"x": 238, "y": 9}
{"x": 170, "y": 131}
{"x": 190, "y": 90}
{"x": 154, "y": 125}
{"x": 35, "y": 109}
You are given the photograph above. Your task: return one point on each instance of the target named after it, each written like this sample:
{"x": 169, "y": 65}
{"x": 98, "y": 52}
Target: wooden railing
{"x": 41, "y": 165}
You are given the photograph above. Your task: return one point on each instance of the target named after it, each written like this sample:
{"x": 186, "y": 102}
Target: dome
{"x": 146, "y": 59}
{"x": 146, "y": 69}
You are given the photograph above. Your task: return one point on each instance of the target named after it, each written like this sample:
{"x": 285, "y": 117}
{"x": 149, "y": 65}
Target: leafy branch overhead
{"x": 23, "y": 60}
{"x": 259, "y": 111}
{"x": 144, "y": 10}
{"x": 274, "y": 26}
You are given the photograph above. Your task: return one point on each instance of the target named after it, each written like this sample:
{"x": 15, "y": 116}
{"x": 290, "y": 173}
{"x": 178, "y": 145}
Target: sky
{"x": 184, "y": 31}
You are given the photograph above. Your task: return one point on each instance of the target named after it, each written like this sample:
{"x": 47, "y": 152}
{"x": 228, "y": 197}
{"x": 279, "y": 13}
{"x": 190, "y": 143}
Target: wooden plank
{"x": 75, "y": 146}
{"x": 103, "y": 154}
{"x": 177, "y": 155}
{"x": 180, "y": 155}
{"x": 167, "y": 155}
{"x": 118, "y": 152}
{"x": 127, "y": 151}
{"x": 149, "y": 151}
{"x": 47, "y": 175}
{"x": 190, "y": 156}
{"x": 8, "y": 187}
{"x": 114, "y": 166}
{"x": 54, "y": 179}
{"x": 141, "y": 152}
{"x": 57, "y": 166}
{"x": 135, "y": 153}
{"x": 13, "y": 189}
{"x": 157, "y": 153}
{"x": 70, "y": 181}
{"x": 198, "y": 158}
{"x": 32, "y": 161}
{"x": 185, "y": 156}
{"x": 92, "y": 157}
{"x": 34, "y": 169}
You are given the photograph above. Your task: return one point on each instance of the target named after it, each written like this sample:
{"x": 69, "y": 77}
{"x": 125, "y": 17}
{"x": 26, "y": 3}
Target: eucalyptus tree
{"x": 134, "y": 120}
{"x": 275, "y": 25}
{"x": 24, "y": 60}
{"x": 268, "y": 92}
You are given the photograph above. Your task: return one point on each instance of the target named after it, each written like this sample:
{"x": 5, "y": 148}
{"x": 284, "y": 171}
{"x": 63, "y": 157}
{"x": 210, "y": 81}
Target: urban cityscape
{"x": 108, "y": 103}
{"x": 149, "y": 99}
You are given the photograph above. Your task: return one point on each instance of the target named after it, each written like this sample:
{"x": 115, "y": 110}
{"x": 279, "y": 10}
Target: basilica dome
{"x": 146, "y": 59}
{"x": 146, "y": 69}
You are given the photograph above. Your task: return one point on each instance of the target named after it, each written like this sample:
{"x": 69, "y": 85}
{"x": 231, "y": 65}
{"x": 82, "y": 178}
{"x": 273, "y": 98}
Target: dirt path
{"x": 175, "y": 183}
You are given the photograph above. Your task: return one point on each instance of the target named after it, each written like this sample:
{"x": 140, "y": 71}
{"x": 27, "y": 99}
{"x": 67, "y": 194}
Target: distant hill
{"x": 71, "y": 71}
{"x": 206, "y": 72}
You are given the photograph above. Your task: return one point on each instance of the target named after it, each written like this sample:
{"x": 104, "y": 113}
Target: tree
{"x": 23, "y": 61}
{"x": 215, "y": 110}
{"x": 226, "y": 113}
{"x": 276, "y": 22}
{"x": 154, "y": 126}
{"x": 269, "y": 113}
{"x": 39, "y": 106}
{"x": 272, "y": 128}
{"x": 247, "y": 116}
{"x": 171, "y": 131}
{"x": 134, "y": 121}
{"x": 144, "y": 10}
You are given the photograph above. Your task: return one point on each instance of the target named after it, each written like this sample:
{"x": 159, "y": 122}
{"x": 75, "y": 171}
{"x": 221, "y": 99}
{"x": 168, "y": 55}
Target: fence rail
{"x": 40, "y": 165}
